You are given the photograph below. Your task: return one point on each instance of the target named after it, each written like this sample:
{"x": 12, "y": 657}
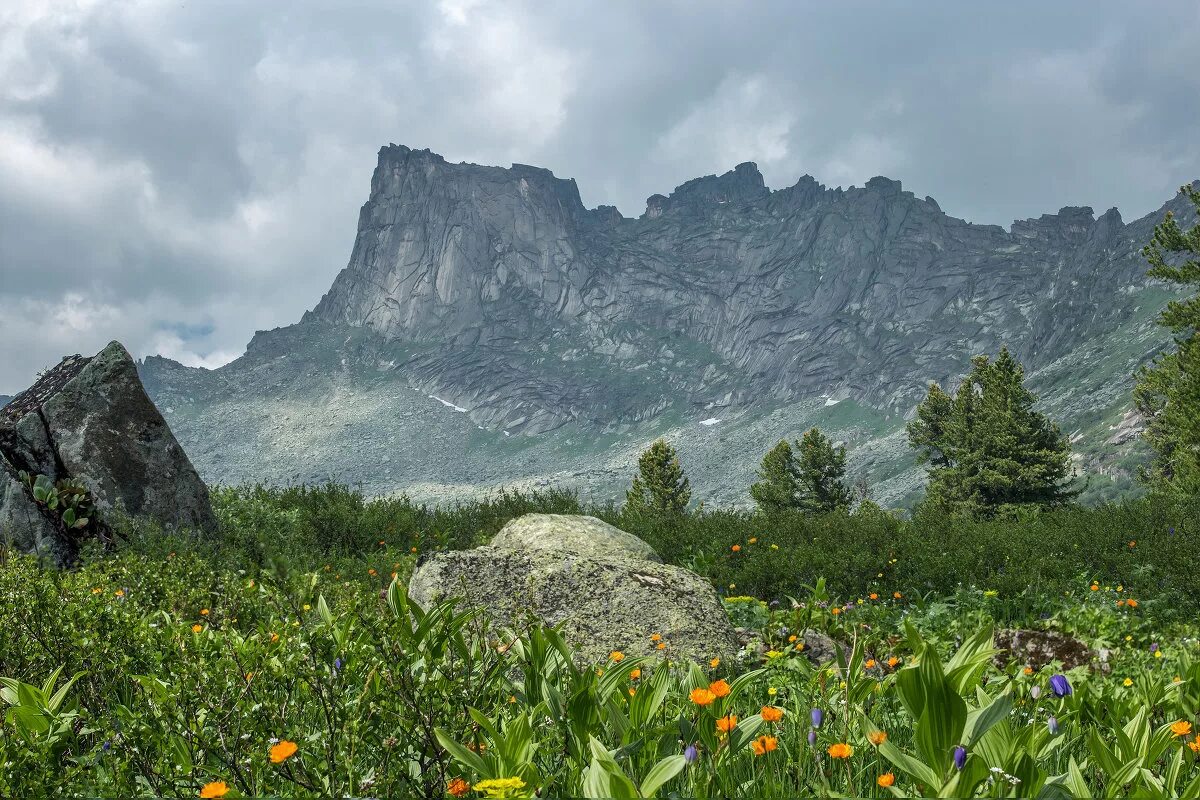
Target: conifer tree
{"x": 660, "y": 485}
{"x": 820, "y": 470}
{"x": 778, "y": 487}
{"x": 989, "y": 451}
{"x": 1168, "y": 390}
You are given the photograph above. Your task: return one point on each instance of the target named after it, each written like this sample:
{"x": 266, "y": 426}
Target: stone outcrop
{"x": 1039, "y": 648}
{"x": 89, "y": 420}
{"x": 603, "y": 601}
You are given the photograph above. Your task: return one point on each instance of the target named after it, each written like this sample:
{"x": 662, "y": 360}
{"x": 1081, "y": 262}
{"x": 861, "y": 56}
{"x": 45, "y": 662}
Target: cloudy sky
{"x": 177, "y": 175}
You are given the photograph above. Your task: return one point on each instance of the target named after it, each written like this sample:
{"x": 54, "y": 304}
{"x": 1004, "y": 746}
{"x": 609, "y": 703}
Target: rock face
{"x": 482, "y": 303}
{"x": 604, "y": 601}
{"x": 89, "y": 420}
{"x": 1038, "y": 648}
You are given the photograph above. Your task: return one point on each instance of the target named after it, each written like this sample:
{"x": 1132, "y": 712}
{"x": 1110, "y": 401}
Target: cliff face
{"x": 723, "y": 293}
{"x": 484, "y": 308}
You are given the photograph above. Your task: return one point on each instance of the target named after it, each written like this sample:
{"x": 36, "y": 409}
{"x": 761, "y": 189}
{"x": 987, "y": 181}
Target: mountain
{"x": 491, "y": 330}
{"x": 4, "y": 400}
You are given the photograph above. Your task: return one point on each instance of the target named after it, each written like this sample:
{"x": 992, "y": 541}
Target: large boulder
{"x": 603, "y": 601}
{"x": 89, "y": 420}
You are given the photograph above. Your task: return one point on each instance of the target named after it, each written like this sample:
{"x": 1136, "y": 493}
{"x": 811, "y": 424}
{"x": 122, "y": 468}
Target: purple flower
{"x": 1060, "y": 685}
{"x": 817, "y": 716}
{"x": 960, "y": 757}
{"x": 1154, "y": 647}
{"x": 1172, "y": 530}
{"x": 812, "y": 738}
{"x": 1052, "y": 724}
{"x": 337, "y": 664}
{"x": 107, "y": 746}
{"x": 691, "y": 754}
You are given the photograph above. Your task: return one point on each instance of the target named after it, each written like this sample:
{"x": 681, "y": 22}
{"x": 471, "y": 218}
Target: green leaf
{"x": 470, "y": 760}
{"x": 909, "y": 765}
{"x": 662, "y": 772}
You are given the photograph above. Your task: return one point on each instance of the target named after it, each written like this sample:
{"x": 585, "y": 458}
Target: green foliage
{"x": 1168, "y": 391}
{"x": 820, "y": 469}
{"x": 660, "y": 487}
{"x": 778, "y": 486}
{"x": 68, "y": 500}
{"x": 989, "y": 451}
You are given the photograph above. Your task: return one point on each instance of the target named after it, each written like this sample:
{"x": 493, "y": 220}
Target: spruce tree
{"x": 1168, "y": 390}
{"x": 778, "y": 487}
{"x": 660, "y": 485}
{"x": 989, "y": 451}
{"x": 820, "y": 470}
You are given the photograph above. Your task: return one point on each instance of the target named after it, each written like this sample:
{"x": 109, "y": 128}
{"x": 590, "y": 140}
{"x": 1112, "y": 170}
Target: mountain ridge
{"x": 496, "y": 292}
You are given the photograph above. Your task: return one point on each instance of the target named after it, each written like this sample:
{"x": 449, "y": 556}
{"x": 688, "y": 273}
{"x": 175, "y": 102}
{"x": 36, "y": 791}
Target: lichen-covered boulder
{"x": 603, "y": 602}
{"x": 89, "y": 420}
{"x": 1038, "y": 648}
{"x": 570, "y": 533}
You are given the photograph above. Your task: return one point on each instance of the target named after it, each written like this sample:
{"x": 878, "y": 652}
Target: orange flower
{"x": 1028, "y": 670}
{"x": 274, "y": 637}
{"x": 632, "y": 691}
{"x": 886, "y": 779}
{"x": 719, "y": 688}
{"x": 897, "y": 595}
{"x": 616, "y": 655}
{"x": 727, "y": 723}
{"x": 635, "y": 674}
{"x": 1120, "y": 603}
{"x": 458, "y": 787}
{"x": 371, "y": 571}
{"x": 737, "y": 548}
{"x": 654, "y": 637}
{"x": 1194, "y": 745}
{"x": 282, "y": 751}
{"x": 873, "y": 595}
{"x": 119, "y": 593}
{"x": 840, "y": 750}
{"x": 753, "y": 540}
{"x": 835, "y": 610}
{"x": 204, "y": 612}
{"x": 772, "y": 714}
{"x": 197, "y": 628}
{"x": 660, "y": 646}
{"x": 702, "y": 697}
{"x": 792, "y": 638}
{"x": 893, "y": 661}
{"x": 764, "y": 744}
{"x": 716, "y": 662}
{"x": 1132, "y": 543}
{"x": 870, "y": 664}
{"x": 214, "y": 789}
{"x": 412, "y": 549}
{"x": 1181, "y": 728}
{"x": 877, "y": 737}
{"x": 1131, "y": 603}
{"x": 1095, "y": 588}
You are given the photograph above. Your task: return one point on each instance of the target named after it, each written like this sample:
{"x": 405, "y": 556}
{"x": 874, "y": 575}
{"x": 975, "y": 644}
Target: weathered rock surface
{"x": 90, "y": 420}
{"x": 1038, "y": 648}
{"x": 481, "y": 304}
{"x": 603, "y": 602}
{"x": 569, "y": 533}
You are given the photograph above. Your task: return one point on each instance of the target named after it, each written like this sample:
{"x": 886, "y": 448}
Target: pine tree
{"x": 778, "y": 487}
{"x": 989, "y": 451}
{"x": 660, "y": 485}
{"x": 820, "y": 470}
{"x": 1168, "y": 391}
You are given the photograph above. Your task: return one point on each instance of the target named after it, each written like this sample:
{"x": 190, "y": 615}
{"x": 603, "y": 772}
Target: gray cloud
{"x": 179, "y": 174}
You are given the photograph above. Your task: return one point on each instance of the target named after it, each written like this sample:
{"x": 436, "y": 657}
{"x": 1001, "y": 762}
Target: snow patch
{"x": 829, "y": 401}
{"x": 709, "y": 421}
{"x": 446, "y": 403}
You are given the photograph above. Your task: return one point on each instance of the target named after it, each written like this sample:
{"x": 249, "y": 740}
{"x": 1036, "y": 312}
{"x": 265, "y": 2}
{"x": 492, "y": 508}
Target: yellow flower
{"x": 877, "y": 737}
{"x": 886, "y": 779}
{"x": 840, "y": 750}
{"x": 772, "y": 691}
{"x": 753, "y": 540}
{"x": 97, "y": 590}
{"x": 1158, "y": 653}
{"x": 500, "y": 787}
{"x": 197, "y": 628}
{"x": 1128, "y": 682}
{"x": 716, "y": 662}
{"x": 282, "y": 751}
{"x": 119, "y": 593}
{"x": 774, "y": 547}
{"x": 307, "y": 607}
{"x": 1181, "y": 728}
{"x": 773, "y": 654}
{"x": 702, "y": 697}
{"x": 632, "y": 691}
{"x": 214, "y": 789}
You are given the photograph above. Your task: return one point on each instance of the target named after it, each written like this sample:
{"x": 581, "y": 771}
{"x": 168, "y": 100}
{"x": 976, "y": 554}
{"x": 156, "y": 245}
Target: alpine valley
{"x": 490, "y": 331}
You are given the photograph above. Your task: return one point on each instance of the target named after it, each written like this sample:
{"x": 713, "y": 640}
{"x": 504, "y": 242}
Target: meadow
{"x": 282, "y": 658}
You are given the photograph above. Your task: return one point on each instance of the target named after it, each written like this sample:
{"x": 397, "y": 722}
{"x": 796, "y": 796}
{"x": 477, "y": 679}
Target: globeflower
{"x": 764, "y": 744}
{"x": 727, "y": 723}
{"x": 702, "y": 697}
{"x": 282, "y": 751}
{"x": 840, "y": 750}
{"x": 877, "y": 737}
{"x": 214, "y": 789}
{"x": 719, "y": 688}
{"x": 458, "y": 787}
{"x": 737, "y": 548}
{"x": 1181, "y": 728}
{"x": 616, "y": 655}
{"x": 771, "y": 714}
{"x": 886, "y": 779}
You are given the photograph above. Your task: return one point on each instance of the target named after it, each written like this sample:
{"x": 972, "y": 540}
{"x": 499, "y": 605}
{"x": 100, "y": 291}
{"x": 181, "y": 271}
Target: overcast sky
{"x": 177, "y": 175}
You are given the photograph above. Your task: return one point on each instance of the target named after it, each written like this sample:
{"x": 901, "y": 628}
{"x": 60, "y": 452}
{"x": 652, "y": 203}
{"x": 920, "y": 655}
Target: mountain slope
{"x": 490, "y": 330}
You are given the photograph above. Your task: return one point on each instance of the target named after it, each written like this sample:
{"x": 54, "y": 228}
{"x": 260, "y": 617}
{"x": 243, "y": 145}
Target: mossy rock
{"x": 572, "y": 533}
